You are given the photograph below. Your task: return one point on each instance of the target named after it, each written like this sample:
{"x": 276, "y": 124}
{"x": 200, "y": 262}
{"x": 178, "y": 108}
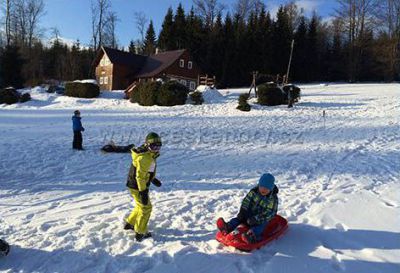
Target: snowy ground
{"x": 339, "y": 183}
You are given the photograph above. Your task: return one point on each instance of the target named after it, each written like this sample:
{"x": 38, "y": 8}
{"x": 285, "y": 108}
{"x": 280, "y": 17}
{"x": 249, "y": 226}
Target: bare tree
{"x": 358, "y": 17}
{"x": 245, "y": 7}
{"x": 141, "y": 23}
{"x": 389, "y": 16}
{"x": 34, "y": 10}
{"x": 8, "y": 22}
{"x": 110, "y": 38}
{"x": 24, "y": 20}
{"x": 208, "y": 10}
{"x": 99, "y": 10}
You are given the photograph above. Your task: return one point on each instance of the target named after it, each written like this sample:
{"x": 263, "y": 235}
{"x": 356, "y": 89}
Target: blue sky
{"x": 72, "y": 17}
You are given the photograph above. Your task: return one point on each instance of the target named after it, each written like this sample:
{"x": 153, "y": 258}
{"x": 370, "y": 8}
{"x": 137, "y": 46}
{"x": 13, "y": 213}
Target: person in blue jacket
{"x": 78, "y": 129}
{"x": 258, "y": 207}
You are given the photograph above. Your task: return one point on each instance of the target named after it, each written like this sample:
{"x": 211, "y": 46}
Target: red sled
{"x": 275, "y": 228}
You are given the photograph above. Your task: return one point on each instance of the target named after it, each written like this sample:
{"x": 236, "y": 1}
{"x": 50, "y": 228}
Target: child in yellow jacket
{"x": 141, "y": 173}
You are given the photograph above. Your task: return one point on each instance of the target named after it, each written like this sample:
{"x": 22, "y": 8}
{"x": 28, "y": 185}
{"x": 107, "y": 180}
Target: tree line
{"x": 359, "y": 43}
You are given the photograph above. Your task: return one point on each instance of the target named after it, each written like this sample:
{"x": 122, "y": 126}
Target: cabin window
{"x": 192, "y": 85}
{"x": 101, "y": 80}
{"x": 182, "y": 63}
{"x": 183, "y": 82}
{"x": 190, "y": 65}
{"x": 105, "y": 80}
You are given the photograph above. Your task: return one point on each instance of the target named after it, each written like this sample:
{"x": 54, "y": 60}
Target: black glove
{"x": 144, "y": 196}
{"x": 156, "y": 182}
{"x": 242, "y": 216}
{"x": 251, "y": 221}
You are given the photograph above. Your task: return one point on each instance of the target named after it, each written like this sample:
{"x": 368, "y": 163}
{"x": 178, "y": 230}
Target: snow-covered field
{"x": 339, "y": 179}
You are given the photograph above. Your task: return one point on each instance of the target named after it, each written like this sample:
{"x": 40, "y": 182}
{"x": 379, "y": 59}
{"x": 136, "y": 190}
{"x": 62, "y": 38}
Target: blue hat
{"x": 267, "y": 180}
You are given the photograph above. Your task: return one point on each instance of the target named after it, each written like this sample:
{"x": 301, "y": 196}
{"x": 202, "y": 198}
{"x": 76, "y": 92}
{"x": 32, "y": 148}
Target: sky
{"x": 72, "y": 17}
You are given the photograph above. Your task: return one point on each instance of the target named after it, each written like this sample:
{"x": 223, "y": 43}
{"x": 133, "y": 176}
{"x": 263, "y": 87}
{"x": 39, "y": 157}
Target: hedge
{"x": 270, "y": 94}
{"x": 169, "y": 93}
{"x": 82, "y": 90}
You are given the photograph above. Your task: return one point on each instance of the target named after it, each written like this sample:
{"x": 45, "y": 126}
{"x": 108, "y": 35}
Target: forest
{"x": 360, "y": 43}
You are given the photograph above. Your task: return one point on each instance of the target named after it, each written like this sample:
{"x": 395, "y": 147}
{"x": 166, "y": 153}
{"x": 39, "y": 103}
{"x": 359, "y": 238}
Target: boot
{"x": 128, "y": 226}
{"x": 140, "y": 237}
{"x": 223, "y": 226}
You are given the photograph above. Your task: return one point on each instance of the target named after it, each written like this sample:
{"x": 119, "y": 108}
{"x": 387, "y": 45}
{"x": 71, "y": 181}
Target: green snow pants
{"x": 140, "y": 215}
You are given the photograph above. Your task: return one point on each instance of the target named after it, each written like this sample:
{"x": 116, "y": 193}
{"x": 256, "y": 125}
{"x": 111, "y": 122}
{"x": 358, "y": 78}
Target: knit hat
{"x": 267, "y": 180}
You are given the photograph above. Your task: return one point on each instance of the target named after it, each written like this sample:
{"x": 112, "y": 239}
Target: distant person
{"x": 258, "y": 207}
{"x": 78, "y": 129}
{"x": 141, "y": 173}
{"x": 4, "y": 248}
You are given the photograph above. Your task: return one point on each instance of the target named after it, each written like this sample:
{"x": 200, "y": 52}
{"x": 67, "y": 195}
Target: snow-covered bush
{"x": 82, "y": 90}
{"x": 196, "y": 97}
{"x": 270, "y": 94}
{"x": 243, "y": 104}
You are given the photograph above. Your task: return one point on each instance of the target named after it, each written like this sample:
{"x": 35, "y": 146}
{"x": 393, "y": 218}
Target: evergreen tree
{"x": 281, "y": 40}
{"x": 215, "y": 45}
{"x": 11, "y": 64}
{"x": 149, "y": 45}
{"x": 179, "y": 28}
{"x": 312, "y": 64}
{"x": 196, "y": 35}
{"x": 132, "y": 47}
{"x": 165, "y": 39}
{"x": 299, "y": 72}
{"x": 229, "y": 53}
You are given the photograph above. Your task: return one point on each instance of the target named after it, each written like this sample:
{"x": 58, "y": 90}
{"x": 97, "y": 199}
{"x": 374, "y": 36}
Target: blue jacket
{"x": 77, "y": 124}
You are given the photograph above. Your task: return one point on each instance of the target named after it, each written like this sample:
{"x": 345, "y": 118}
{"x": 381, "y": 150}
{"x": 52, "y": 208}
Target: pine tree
{"x": 165, "y": 39}
{"x": 132, "y": 47}
{"x": 281, "y": 40}
{"x": 11, "y": 64}
{"x": 229, "y": 53}
{"x": 150, "y": 44}
{"x": 299, "y": 72}
{"x": 215, "y": 44}
{"x": 312, "y": 66}
{"x": 179, "y": 28}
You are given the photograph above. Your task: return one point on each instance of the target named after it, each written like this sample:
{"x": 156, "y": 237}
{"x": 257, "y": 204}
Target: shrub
{"x": 270, "y": 94}
{"x": 196, "y": 97}
{"x": 25, "y": 97}
{"x": 172, "y": 93}
{"x": 82, "y": 90}
{"x": 52, "y": 89}
{"x": 243, "y": 104}
{"x": 9, "y": 96}
{"x": 148, "y": 93}
{"x": 295, "y": 91}
{"x": 155, "y": 93}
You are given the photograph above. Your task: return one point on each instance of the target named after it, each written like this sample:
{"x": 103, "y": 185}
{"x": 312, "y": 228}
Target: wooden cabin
{"x": 117, "y": 70}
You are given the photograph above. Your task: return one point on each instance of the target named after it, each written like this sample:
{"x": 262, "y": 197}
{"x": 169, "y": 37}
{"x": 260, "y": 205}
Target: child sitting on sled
{"x": 258, "y": 207}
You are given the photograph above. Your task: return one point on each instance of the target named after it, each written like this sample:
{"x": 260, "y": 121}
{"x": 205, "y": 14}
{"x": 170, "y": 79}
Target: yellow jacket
{"x": 143, "y": 168}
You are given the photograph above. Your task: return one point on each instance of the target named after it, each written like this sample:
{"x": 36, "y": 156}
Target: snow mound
{"x": 87, "y": 81}
{"x": 210, "y": 94}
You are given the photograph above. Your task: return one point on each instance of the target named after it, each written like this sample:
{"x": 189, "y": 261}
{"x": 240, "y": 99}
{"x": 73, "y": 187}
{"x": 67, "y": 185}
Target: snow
{"x": 62, "y": 210}
{"x": 210, "y": 94}
{"x": 87, "y": 81}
